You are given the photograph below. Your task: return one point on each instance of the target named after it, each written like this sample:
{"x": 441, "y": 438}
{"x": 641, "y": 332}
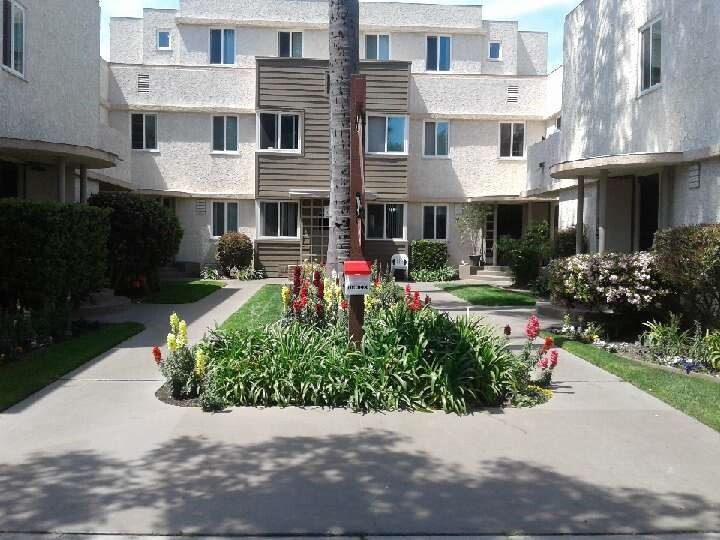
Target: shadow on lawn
{"x": 361, "y": 483}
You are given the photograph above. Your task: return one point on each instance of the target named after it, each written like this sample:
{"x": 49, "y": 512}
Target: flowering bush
{"x": 313, "y": 297}
{"x": 184, "y": 368}
{"x": 544, "y": 359}
{"x": 617, "y": 280}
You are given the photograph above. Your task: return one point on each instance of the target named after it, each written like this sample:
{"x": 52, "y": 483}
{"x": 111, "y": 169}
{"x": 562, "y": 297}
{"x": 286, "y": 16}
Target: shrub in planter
{"x": 526, "y": 255}
{"x": 688, "y": 260}
{"x": 428, "y": 255}
{"x": 144, "y": 236}
{"x": 624, "y": 282}
{"x": 447, "y": 273}
{"x": 234, "y": 252}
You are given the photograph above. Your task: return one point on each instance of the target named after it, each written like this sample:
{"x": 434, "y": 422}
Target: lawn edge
{"x": 443, "y": 284}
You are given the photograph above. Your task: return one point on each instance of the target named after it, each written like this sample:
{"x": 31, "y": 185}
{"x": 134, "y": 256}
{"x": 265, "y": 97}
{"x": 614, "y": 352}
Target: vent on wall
{"x": 513, "y": 93}
{"x": 143, "y": 83}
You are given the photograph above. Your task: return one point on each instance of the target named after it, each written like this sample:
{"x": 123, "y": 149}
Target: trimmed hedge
{"x": 428, "y": 255}
{"x": 234, "y": 250}
{"x": 51, "y": 253}
{"x": 144, "y": 236}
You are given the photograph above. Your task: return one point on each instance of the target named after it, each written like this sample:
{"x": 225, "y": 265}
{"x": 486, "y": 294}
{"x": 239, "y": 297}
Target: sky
{"x": 539, "y": 15}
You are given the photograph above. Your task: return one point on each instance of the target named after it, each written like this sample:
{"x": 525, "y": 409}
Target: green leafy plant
{"x": 712, "y": 342}
{"x": 428, "y": 255}
{"x": 247, "y": 274}
{"x": 526, "y": 255}
{"x": 471, "y": 223}
{"x": 665, "y": 340}
{"x": 565, "y": 243}
{"x": 144, "y": 236}
{"x": 446, "y": 273}
{"x": 234, "y": 252}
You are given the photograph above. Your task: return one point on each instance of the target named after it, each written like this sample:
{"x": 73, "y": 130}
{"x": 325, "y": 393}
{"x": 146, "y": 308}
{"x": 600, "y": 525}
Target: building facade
{"x": 640, "y": 135}
{"x": 55, "y": 139}
{"x": 226, "y": 111}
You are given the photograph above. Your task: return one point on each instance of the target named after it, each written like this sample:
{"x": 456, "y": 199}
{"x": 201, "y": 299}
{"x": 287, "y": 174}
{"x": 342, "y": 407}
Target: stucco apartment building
{"x": 55, "y": 139}
{"x": 225, "y": 106}
{"x": 640, "y": 122}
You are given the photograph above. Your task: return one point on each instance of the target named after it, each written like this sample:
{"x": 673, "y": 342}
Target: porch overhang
{"x": 48, "y": 153}
{"x": 511, "y": 199}
{"x": 615, "y": 165}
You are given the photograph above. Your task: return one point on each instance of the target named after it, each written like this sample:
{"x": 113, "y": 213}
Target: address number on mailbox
{"x": 357, "y": 285}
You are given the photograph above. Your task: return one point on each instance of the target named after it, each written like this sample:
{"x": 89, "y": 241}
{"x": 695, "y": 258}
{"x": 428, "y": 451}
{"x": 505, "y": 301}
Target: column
{"x": 602, "y": 210}
{"x": 61, "y": 183}
{"x": 83, "y": 184}
{"x": 580, "y": 223}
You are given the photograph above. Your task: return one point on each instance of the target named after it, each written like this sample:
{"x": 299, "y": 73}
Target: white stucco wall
{"x": 532, "y": 53}
{"x": 126, "y": 40}
{"x": 567, "y": 213}
{"x": 696, "y": 205}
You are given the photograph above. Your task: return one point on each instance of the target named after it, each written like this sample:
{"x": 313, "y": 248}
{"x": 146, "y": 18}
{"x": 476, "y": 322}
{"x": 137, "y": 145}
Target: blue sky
{"x": 540, "y": 15}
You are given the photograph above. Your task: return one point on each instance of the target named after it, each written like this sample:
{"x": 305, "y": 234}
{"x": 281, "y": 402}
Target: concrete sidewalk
{"x": 97, "y": 453}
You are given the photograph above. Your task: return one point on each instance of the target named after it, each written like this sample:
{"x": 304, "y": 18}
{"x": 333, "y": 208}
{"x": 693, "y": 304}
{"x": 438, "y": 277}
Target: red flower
{"x": 549, "y": 343}
{"x": 543, "y": 363}
{"x": 320, "y": 290}
{"x": 157, "y": 355}
{"x": 317, "y": 280}
{"x": 532, "y": 330}
{"x": 507, "y": 330}
{"x": 297, "y": 278}
{"x": 344, "y": 304}
{"x": 553, "y": 358}
{"x": 407, "y": 291}
{"x": 319, "y": 309}
{"x": 376, "y": 283}
{"x": 416, "y": 304}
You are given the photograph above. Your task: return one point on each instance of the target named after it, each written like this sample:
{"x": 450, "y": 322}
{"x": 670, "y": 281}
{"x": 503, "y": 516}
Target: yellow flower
{"x": 200, "y": 363}
{"x": 285, "y": 293}
{"x": 172, "y": 342}
{"x": 369, "y": 302}
{"x": 182, "y": 331}
{"x": 329, "y": 292}
{"x": 174, "y": 322}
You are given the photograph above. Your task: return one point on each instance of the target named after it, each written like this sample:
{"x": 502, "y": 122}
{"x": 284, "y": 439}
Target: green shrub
{"x": 447, "y": 273}
{"x": 564, "y": 244}
{"x": 234, "y": 252}
{"x": 144, "y": 236}
{"x": 712, "y": 342}
{"x": 688, "y": 261}
{"x": 526, "y": 255}
{"x": 428, "y": 255}
{"x": 53, "y": 256}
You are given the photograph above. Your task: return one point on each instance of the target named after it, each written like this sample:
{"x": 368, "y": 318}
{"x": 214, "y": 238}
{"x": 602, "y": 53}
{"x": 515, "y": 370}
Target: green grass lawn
{"x": 21, "y": 378}
{"x": 183, "y": 291}
{"x": 265, "y": 307}
{"x": 698, "y": 397}
{"x": 487, "y": 295}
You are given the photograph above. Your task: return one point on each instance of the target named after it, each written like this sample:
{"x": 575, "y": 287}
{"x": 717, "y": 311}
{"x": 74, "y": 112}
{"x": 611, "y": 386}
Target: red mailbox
{"x": 357, "y": 278}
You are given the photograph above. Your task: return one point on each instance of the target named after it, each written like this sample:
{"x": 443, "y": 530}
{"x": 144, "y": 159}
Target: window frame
{"x": 225, "y": 139}
{"x": 447, "y": 221}
{"x": 436, "y": 155}
{"x": 225, "y": 204}
{"x": 489, "y": 55}
{"x": 157, "y": 131}
{"x": 377, "y": 46}
{"x": 406, "y": 144}
{"x": 278, "y": 136}
{"x": 385, "y": 204}
{"x": 15, "y": 5}
{"x": 291, "y": 32}
{"x": 512, "y": 136}
{"x": 157, "y": 39}
{"x": 648, "y": 26}
{"x": 450, "y": 54}
{"x": 259, "y": 220}
{"x": 222, "y": 46}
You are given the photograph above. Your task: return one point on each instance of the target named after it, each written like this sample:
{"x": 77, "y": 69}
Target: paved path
{"x": 98, "y": 454}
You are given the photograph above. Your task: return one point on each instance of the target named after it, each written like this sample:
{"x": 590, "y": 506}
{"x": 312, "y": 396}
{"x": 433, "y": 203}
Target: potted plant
{"x": 471, "y": 225}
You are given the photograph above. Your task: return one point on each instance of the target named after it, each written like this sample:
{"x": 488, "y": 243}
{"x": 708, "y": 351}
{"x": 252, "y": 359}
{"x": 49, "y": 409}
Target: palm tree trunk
{"x": 344, "y": 62}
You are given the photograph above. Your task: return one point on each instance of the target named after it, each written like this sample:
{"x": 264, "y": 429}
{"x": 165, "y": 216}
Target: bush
{"x": 144, "y": 236}
{"x": 234, "y": 252}
{"x": 53, "y": 256}
{"x": 624, "y": 282}
{"x": 428, "y": 255}
{"x": 447, "y": 273}
{"x": 688, "y": 260}
{"x": 526, "y": 255}
{"x": 564, "y": 245}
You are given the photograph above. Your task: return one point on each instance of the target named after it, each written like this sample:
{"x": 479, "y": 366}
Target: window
{"x": 386, "y": 135}
{"x": 222, "y": 46}
{"x": 279, "y": 132}
{"x": 512, "y": 140}
{"x": 224, "y": 218}
{"x": 13, "y": 40}
{"x": 290, "y": 44}
{"x": 435, "y": 222}
{"x": 279, "y": 219}
{"x": 225, "y": 133}
{"x": 438, "y": 53}
{"x": 386, "y": 221}
{"x": 650, "y": 55}
{"x": 377, "y": 47}
{"x": 163, "y": 40}
{"x": 495, "y": 50}
{"x": 436, "y": 142}
{"x": 558, "y": 123}
{"x": 143, "y": 128}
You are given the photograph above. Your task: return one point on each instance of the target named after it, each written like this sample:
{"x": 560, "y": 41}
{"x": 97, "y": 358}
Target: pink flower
{"x": 532, "y": 330}
{"x": 344, "y": 304}
{"x": 553, "y": 358}
{"x": 407, "y": 291}
{"x": 543, "y": 363}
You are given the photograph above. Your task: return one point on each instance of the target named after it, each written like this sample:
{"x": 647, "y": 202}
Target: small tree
{"x": 471, "y": 224}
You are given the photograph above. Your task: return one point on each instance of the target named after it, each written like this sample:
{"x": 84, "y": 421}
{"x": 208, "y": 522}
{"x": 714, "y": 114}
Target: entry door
{"x": 315, "y": 229}
{"x": 649, "y": 210}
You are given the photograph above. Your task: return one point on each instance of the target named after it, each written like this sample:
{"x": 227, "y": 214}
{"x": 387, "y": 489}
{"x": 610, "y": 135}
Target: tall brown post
{"x": 356, "y": 312}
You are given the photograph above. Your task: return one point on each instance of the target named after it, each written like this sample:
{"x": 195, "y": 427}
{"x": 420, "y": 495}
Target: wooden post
{"x": 356, "y": 311}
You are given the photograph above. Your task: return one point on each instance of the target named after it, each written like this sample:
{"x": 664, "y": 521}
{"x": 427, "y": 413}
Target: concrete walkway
{"x": 97, "y": 453}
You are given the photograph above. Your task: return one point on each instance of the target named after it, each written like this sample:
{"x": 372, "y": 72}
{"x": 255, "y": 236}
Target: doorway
{"x": 315, "y": 229}
{"x": 648, "y": 210}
